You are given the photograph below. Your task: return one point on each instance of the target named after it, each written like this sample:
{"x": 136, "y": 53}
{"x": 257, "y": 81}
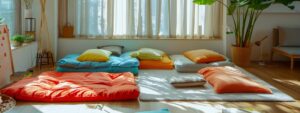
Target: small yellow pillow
{"x": 148, "y": 54}
{"x": 94, "y": 55}
{"x": 203, "y": 56}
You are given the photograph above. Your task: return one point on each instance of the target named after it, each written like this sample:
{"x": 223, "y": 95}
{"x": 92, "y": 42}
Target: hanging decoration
{"x": 44, "y": 55}
{"x": 44, "y": 41}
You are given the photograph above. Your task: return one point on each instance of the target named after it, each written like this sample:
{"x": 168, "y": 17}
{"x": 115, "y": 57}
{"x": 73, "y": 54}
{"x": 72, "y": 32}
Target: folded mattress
{"x": 123, "y": 63}
{"x": 134, "y": 70}
{"x": 166, "y": 64}
{"x": 70, "y": 61}
{"x": 75, "y": 87}
{"x": 185, "y": 65}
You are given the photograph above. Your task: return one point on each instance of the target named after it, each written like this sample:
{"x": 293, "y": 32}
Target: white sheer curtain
{"x": 145, "y": 19}
{"x": 9, "y": 11}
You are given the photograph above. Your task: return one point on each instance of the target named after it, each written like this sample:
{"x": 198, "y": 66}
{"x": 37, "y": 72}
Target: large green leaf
{"x": 204, "y": 2}
{"x": 231, "y": 8}
{"x": 240, "y": 3}
{"x": 235, "y": 4}
{"x": 287, "y": 3}
{"x": 260, "y": 4}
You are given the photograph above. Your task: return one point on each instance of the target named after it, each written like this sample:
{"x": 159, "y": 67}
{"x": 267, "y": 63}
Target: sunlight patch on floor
{"x": 205, "y": 108}
{"x": 285, "y": 109}
{"x": 150, "y": 91}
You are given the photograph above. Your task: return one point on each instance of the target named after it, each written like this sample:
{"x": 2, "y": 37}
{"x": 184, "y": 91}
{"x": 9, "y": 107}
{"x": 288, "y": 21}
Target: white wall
{"x": 69, "y": 46}
{"x": 275, "y": 16}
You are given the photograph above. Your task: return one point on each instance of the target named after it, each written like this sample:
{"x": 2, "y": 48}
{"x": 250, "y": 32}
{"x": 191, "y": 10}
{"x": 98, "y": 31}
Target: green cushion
{"x": 148, "y": 54}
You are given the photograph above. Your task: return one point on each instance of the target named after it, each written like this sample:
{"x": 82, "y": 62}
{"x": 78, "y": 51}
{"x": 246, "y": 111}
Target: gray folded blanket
{"x": 187, "y": 81}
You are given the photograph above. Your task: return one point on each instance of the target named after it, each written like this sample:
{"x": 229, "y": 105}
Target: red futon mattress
{"x": 75, "y": 87}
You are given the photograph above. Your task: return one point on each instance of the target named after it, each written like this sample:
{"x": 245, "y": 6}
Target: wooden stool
{"x": 44, "y": 58}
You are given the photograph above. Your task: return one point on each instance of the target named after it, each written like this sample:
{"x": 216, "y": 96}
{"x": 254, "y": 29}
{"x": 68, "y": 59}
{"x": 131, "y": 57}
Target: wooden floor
{"x": 278, "y": 74}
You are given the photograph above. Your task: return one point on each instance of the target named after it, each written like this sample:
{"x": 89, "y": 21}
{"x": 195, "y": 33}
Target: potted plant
{"x": 245, "y": 14}
{"x": 28, "y": 38}
{"x": 17, "y": 40}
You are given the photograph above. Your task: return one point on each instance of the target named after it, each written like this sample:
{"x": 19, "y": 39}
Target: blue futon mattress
{"x": 116, "y": 64}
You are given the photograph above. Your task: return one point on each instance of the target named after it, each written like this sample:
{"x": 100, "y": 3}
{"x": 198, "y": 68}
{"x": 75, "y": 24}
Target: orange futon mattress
{"x": 166, "y": 63}
{"x": 75, "y": 87}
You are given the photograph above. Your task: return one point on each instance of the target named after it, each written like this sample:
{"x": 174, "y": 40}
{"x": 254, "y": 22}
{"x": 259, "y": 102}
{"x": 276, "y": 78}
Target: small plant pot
{"x": 16, "y": 43}
{"x": 241, "y": 56}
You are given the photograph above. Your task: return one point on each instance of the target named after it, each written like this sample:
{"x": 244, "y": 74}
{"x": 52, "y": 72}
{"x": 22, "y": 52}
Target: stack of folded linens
{"x": 152, "y": 59}
{"x": 187, "y": 81}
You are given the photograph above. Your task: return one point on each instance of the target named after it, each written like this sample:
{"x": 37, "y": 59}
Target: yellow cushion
{"x": 203, "y": 56}
{"x": 148, "y": 54}
{"x": 94, "y": 55}
{"x": 165, "y": 63}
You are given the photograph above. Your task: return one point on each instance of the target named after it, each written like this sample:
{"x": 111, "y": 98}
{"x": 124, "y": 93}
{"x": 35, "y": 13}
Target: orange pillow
{"x": 231, "y": 80}
{"x": 203, "y": 56}
{"x": 165, "y": 63}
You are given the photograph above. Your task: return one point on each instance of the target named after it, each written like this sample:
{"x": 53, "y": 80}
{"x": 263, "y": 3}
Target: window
{"x": 141, "y": 19}
{"x": 8, "y": 12}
